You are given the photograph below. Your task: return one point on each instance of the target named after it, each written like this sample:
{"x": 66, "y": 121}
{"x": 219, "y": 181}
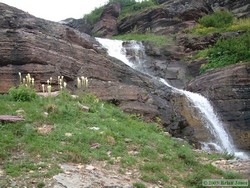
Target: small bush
{"x": 22, "y": 93}
{"x": 227, "y": 52}
{"x": 195, "y": 179}
{"x": 139, "y": 185}
{"x": 218, "y": 19}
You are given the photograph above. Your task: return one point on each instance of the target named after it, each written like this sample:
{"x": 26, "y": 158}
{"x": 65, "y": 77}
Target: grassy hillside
{"x": 56, "y": 130}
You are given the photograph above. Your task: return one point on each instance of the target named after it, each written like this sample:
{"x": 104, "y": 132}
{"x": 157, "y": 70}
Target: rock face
{"x": 171, "y": 17}
{"x": 107, "y": 25}
{"x": 47, "y": 49}
{"x": 79, "y": 24}
{"x": 240, "y": 8}
{"x": 229, "y": 90}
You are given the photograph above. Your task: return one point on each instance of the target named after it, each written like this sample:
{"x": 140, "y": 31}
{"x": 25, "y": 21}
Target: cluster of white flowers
{"x": 28, "y": 81}
{"x": 82, "y": 82}
{"x": 62, "y": 85}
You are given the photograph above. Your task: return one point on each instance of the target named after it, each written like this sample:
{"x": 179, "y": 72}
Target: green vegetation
{"x": 221, "y": 21}
{"x": 94, "y": 16}
{"x": 23, "y": 93}
{"x": 55, "y": 131}
{"x": 158, "y": 40}
{"x": 226, "y": 52}
{"x": 218, "y": 19}
{"x": 128, "y": 7}
{"x": 139, "y": 185}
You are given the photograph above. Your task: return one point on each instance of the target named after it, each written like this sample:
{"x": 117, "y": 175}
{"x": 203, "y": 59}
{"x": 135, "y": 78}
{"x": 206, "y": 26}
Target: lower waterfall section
{"x": 222, "y": 140}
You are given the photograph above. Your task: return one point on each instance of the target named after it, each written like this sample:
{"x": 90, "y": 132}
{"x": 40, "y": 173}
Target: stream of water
{"x": 223, "y": 141}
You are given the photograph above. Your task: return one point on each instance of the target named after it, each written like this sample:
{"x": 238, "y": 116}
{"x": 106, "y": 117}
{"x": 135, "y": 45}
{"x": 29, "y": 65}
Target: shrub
{"x": 227, "y": 52}
{"x": 195, "y": 179}
{"x": 218, "y": 19}
{"x": 139, "y": 185}
{"x": 22, "y": 93}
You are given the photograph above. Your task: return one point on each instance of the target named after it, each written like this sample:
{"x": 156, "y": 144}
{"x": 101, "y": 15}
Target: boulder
{"x": 107, "y": 24}
{"x": 229, "y": 90}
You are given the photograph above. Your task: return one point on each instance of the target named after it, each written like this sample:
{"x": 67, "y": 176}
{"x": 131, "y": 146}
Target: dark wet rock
{"x": 159, "y": 61}
{"x": 190, "y": 126}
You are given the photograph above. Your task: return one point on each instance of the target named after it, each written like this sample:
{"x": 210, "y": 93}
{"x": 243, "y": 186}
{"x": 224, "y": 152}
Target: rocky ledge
{"x": 229, "y": 90}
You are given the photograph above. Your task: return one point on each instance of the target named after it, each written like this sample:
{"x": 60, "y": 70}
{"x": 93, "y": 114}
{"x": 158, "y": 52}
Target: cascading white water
{"x": 223, "y": 140}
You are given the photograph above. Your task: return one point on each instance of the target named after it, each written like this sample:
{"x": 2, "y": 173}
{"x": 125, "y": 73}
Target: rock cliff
{"x": 170, "y": 17}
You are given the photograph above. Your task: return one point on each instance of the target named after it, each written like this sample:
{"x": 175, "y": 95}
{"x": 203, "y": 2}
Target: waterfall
{"x": 223, "y": 140}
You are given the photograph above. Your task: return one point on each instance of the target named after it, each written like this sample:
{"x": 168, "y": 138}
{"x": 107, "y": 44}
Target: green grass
{"x": 25, "y": 150}
{"x": 158, "y": 40}
{"x": 219, "y": 24}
